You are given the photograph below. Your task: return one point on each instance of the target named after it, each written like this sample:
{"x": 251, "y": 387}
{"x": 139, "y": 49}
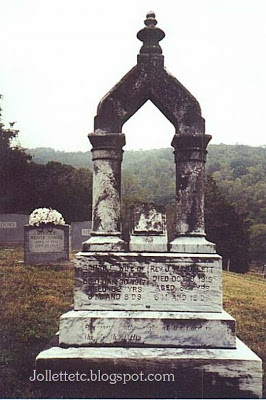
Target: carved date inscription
{"x": 44, "y": 241}
{"x": 154, "y": 284}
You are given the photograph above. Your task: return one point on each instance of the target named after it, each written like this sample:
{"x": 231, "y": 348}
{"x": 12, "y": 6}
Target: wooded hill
{"x": 239, "y": 171}
{"x": 236, "y": 188}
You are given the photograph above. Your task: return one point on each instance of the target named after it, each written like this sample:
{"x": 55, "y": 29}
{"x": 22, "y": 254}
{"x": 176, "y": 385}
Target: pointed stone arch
{"x": 148, "y": 80}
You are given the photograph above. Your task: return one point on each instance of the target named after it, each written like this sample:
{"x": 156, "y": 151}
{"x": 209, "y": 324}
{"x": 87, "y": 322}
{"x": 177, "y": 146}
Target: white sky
{"x": 60, "y": 57}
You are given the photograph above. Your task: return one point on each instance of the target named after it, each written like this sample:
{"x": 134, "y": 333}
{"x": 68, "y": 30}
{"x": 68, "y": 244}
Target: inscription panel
{"x": 150, "y": 329}
{"x": 43, "y": 241}
{"x": 46, "y": 244}
{"x": 8, "y": 225}
{"x": 148, "y": 282}
{"x": 85, "y": 232}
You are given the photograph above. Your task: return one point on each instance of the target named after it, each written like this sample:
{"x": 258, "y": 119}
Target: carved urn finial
{"x": 150, "y": 36}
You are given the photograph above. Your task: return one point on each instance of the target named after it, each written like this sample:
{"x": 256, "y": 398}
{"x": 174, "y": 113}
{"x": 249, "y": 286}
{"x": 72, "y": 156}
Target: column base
{"x": 120, "y": 372}
{"x": 104, "y": 243}
{"x": 152, "y": 243}
{"x": 192, "y": 244}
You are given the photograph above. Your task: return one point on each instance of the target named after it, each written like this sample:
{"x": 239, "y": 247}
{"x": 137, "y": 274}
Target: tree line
{"x": 26, "y": 185}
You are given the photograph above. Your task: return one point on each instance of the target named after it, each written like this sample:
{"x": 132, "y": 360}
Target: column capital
{"x": 190, "y": 147}
{"x": 105, "y": 140}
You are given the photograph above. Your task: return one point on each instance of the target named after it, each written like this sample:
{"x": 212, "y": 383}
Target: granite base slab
{"x": 148, "y": 281}
{"x": 149, "y": 373}
{"x": 147, "y": 328}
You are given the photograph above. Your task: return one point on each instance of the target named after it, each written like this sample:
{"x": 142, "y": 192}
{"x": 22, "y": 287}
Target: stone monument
{"x": 80, "y": 231}
{"x": 48, "y": 244}
{"x": 46, "y": 237}
{"x": 12, "y": 228}
{"x": 150, "y": 308}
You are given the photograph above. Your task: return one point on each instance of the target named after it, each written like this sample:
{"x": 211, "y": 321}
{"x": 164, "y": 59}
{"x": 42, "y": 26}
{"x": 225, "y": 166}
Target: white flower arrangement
{"x": 46, "y": 216}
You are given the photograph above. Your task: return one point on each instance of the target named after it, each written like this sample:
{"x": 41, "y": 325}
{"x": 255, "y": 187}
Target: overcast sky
{"x": 60, "y": 57}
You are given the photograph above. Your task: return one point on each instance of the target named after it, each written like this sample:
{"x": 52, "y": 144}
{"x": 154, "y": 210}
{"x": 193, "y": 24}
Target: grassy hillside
{"x": 32, "y": 299}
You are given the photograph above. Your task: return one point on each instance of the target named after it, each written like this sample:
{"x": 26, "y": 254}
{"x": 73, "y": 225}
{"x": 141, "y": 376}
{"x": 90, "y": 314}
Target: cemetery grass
{"x": 33, "y": 298}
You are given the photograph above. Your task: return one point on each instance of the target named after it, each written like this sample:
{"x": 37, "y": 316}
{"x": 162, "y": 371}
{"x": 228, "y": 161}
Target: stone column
{"x": 190, "y": 156}
{"x": 107, "y": 157}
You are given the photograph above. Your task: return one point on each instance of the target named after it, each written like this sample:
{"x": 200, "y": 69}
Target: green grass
{"x": 32, "y": 299}
{"x": 245, "y": 300}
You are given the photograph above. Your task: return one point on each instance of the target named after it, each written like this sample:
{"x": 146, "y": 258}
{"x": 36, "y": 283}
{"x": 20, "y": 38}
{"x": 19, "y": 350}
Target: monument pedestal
{"x": 119, "y": 372}
{"x": 148, "y": 325}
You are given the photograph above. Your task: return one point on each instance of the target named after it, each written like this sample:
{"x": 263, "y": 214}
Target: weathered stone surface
{"x": 148, "y": 231}
{"x": 190, "y": 156}
{"x": 148, "y": 80}
{"x": 46, "y": 244}
{"x": 148, "y": 218}
{"x": 192, "y": 244}
{"x": 148, "y": 243}
{"x": 106, "y": 156}
{"x": 142, "y": 328}
{"x": 12, "y": 227}
{"x": 148, "y": 281}
{"x": 106, "y": 243}
{"x": 198, "y": 373}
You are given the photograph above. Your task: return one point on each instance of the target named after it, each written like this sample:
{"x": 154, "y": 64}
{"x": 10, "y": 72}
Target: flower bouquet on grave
{"x": 46, "y": 217}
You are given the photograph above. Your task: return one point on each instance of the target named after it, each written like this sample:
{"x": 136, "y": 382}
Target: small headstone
{"x": 148, "y": 228}
{"x": 12, "y": 228}
{"x": 46, "y": 244}
{"x": 80, "y": 232}
{"x": 47, "y": 237}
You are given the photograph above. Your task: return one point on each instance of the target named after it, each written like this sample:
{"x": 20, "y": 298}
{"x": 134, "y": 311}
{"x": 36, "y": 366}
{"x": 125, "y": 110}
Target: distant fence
{"x": 12, "y": 230}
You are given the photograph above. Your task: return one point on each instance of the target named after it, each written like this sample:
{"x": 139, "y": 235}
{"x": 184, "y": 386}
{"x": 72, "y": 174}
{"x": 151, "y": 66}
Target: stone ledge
{"x": 169, "y": 255}
{"x": 193, "y": 244}
{"x": 148, "y": 328}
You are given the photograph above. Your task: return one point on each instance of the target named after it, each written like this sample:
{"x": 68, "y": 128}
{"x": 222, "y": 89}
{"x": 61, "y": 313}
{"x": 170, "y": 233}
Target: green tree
{"x": 226, "y": 228}
{"x": 258, "y": 242}
{"x": 62, "y": 187}
{"x": 26, "y": 185}
{"x": 14, "y": 167}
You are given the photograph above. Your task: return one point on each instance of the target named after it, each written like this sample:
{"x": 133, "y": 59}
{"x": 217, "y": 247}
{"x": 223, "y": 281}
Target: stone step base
{"x": 149, "y": 373}
{"x": 147, "y": 328}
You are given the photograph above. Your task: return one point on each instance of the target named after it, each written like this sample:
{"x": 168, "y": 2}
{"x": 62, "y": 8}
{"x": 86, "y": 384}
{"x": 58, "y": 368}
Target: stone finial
{"x": 150, "y": 36}
{"x": 150, "y": 19}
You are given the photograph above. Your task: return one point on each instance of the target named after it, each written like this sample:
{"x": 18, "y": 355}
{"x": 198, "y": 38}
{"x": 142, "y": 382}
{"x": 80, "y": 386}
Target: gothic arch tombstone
{"x": 156, "y": 311}
{"x": 149, "y": 80}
